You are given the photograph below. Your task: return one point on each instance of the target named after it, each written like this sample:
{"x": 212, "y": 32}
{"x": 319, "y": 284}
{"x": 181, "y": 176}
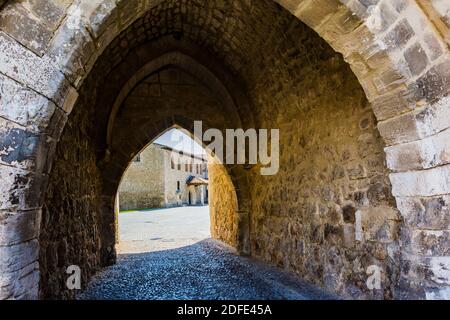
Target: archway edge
{"x": 114, "y": 170}
{"x": 187, "y": 64}
{"x": 411, "y": 104}
{"x": 356, "y": 30}
{"x": 377, "y": 41}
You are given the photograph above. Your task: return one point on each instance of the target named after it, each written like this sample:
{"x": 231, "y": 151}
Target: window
{"x": 190, "y": 168}
{"x": 179, "y": 166}
{"x": 186, "y": 167}
{"x": 178, "y": 185}
{"x": 137, "y": 158}
{"x": 172, "y": 163}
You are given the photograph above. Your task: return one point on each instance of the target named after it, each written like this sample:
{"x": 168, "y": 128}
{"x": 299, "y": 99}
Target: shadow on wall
{"x": 206, "y": 270}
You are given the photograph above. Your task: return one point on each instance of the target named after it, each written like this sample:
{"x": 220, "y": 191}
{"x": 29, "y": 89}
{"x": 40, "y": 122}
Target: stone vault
{"x": 359, "y": 90}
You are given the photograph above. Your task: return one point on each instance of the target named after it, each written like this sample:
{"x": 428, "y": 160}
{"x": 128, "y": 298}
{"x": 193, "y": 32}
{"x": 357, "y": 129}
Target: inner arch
{"x": 191, "y": 66}
{"x": 276, "y": 73}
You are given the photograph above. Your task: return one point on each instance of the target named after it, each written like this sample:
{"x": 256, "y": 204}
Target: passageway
{"x": 359, "y": 91}
{"x": 180, "y": 261}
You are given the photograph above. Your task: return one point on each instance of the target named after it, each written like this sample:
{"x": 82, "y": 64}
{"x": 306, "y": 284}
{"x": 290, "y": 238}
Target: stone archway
{"x": 398, "y": 51}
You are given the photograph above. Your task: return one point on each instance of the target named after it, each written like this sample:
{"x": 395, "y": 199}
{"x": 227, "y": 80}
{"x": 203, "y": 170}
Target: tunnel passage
{"x": 302, "y": 219}
{"x": 82, "y": 228}
{"x": 327, "y": 215}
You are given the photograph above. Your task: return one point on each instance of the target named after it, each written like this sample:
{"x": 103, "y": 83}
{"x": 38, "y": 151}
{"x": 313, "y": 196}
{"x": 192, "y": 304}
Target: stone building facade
{"x": 359, "y": 89}
{"x": 161, "y": 177}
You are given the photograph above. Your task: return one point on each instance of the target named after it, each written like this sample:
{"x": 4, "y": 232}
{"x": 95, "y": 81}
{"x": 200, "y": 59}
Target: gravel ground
{"x": 194, "y": 268}
{"x": 205, "y": 270}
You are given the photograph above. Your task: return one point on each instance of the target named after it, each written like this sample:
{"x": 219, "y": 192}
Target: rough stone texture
{"x": 360, "y": 173}
{"x": 71, "y": 220}
{"x": 435, "y": 181}
{"x": 20, "y": 276}
{"x": 223, "y": 205}
{"x": 331, "y": 170}
{"x": 420, "y": 154}
{"x": 33, "y": 22}
{"x": 22, "y": 227}
{"x": 379, "y": 39}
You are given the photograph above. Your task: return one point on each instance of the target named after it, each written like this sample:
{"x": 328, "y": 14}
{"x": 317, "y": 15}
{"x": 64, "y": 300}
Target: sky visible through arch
{"x": 177, "y": 139}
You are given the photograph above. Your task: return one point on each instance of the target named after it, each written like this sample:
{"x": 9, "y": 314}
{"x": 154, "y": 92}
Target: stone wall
{"x": 143, "y": 184}
{"x": 83, "y": 203}
{"x": 397, "y": 49}
{"x": 71, "y": 217}
{"x": 329, "y": 213}
{"x": 223, "y": 205}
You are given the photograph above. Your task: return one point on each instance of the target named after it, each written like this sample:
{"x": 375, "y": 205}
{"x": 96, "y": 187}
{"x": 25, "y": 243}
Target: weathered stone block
{"x": 426, "y": 213}
{"x": 16, "y": 257}
{"x": 435, "y": 83}
{"x": 379, "y": 224}
{"x": 399, "y": 130}
{"x": 393, "y": 103}
{"x": 416, "y": 58}
{"x": 438, "y": 293}
{"x": 388, "y": 80}
{"x": 314, "y": 12}
{"x": 419, "y": 124}
{"x": 423, "y": 154}
{"x": 380, "y": 15}
{"x": 17, "y": 146}
{"x": 20, "y": 284}
{"x": 24, "y": 106}
{"x": 26, "y": 28}
{"x": 425, "y": 242}
{"x": 20, "y": 189}
{"x": 19, "y": 227}
{"x": 51, "y": 12}
{"x": 70, "y": 50}
{"x": 379, "y": 192}
{"x": 439, "y": 270}
{"x": 432, "y": 272}
{"x": 25, "y": 67}
{"x": 399, "y": 35}
{"x": 426, "y": 183}
{"x": 24, "y": 149}
{"x": 434, "y": 117}
{"x": 349, "y": 235}
{"x": 433, "y": 46}
{"x": 129, "y": 11}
